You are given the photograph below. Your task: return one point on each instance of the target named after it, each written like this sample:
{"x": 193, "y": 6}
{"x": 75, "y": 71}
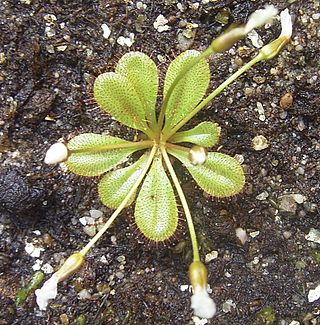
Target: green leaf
{"x": 220, "y": 176}
{"x": 115, "y": 95}
{"x": 189, "y": 90}
{"x": 115, "y": 186}
{"x": 156, "y": 213}
{"x": 89, "y": 154}
{"x": 129, "y": 94}
{"x": 205, "y": 134}
{"x": 142, "y": 73}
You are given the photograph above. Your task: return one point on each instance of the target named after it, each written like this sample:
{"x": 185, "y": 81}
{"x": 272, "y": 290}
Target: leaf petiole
{"x": 123, "y": 204}
{"x": 193, "y": 236}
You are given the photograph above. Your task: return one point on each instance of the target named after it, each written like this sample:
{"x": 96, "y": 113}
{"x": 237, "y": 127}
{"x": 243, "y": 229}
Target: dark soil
{"x": 45, "y": 79}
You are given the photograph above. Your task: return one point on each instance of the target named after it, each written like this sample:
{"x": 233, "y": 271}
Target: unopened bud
{"x": 271, "y": 50}
{"x": 225, "y": 41}
{"x": 70, "y": 266}
{"x": 198, "y": 155}
{"x": 57, "y": 153}
{"x": 198, "y": 275}
{"x": 201, "y": 302}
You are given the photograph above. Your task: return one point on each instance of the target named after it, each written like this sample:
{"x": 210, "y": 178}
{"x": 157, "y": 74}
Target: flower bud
{"x": 226, "y": 40}
{"x": 201, "y": 303}
{"x": 57, "y": 153}
{"x": 260, "y": 17}
{"x": 272, "y": 49}
{"x": 198, "y": 155}
{"x": 70, "y": 266}
{"x": 49, "y": 290}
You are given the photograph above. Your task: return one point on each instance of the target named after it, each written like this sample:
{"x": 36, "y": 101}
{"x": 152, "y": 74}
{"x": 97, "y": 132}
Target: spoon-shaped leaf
{"x": 115, "y": 185}
{"x": 205, "y": 134}
{"x": 189, "y": 90}
{"x": 220, "y": 176}
{"x": 142, "y": 73}
{"x": 90, "y": 156}
{"x": 156, "y": 213}
{"x": 115, "y": 95}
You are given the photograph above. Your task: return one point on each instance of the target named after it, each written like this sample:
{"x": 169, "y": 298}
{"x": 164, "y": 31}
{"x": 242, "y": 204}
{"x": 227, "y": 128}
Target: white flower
{"x": 57, "y": 153}
{"x": 202, "y": 304}
{"x": 286, "y": 23}
{"x": 260, "y": 17}
{"x": 48, "y": 291}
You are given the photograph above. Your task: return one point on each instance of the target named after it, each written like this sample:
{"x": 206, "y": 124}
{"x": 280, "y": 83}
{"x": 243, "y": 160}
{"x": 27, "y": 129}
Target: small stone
{"x": 90, "y": 230}
{"x": 47, "y": 268}
{"x": 228, "y": 305}
{"x": 84, "y": 294}
{"x": 314, "y": 294}
{"x": 259, "y": 143}
{"x": 126, "y": 41}
{"x": 37, "y": 265}
{"x": 316, "y": 16}
{"x": 299, "y": 198}
{"x": 262, "y": 196}
{"x": 50, "y": 32}
{"x": 141, "y": 6}
{"x": 184, "y": 287}
{"x": 294, "y": 322}
{"x": 242, "y": 235}
{"x": 286, "y": 101}
{"x": 211, "y": 256}
{"x": 222, "y": 16}
{"x": 288, "y": 204}
{"x": 83, "y": 221}
{"x": 2, "y": 58}
{"x": 255, "y": 39}
{"x": 313, "y": 235}
{"x": 96, "y": 214}
{"x": 62, "y": 48}
{"x": 161, "y": 24}
{"x": 119, "y": 275}
{"x": 261, "y": 113}
{"x": 254, "y": 234}
{"x": 64, "y": 319}
{"x": 103, "y": 259}
{"x": 50, "y": 19}
{"x": 287, "y": 234}
{"x": 106, "y": 31}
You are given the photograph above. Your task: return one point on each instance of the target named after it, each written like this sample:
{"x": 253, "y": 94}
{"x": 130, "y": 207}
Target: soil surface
{"x": 50, "y": 52}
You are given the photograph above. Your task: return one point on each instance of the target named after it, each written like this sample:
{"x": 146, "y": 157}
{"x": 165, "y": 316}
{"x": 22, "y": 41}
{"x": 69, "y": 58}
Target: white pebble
{"x": 228, "y": 305}
{"x": 161, "y": 24}
{"x": 37, "y": 265}
{"x": 184, "y": 287}
{"x": 96, "y": 214}
{"x": 314, "y": 294}
{"x": 84, "y": 294}
{"x": 255, "y": 39}
{"x": 90, "y": 230}
{"x": 106, "y": 31}
{"x": 83, "y": 221}
{"x": 47, "y": 268}
{"x": 299, "y": 198}
{"x": 313, "y": 235}
{"x": 141, "y": 6}
{"x": 242, "y": 235}
{"x": 260, "y": 142}
{"x": 126, "y": 41}
{"x": 211, "y": 256}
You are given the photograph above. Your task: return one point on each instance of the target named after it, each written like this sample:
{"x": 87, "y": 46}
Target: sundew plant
{"x": 129, "y": 95}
